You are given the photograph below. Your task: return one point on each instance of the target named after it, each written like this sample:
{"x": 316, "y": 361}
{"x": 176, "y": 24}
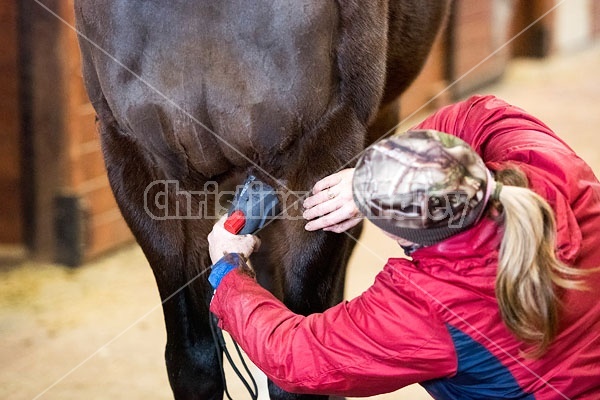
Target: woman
{"x": 501, "y": 220}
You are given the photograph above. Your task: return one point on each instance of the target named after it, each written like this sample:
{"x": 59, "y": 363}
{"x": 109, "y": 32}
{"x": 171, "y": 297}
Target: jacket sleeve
{"x": 379, "y": 342}
{"x": 505, "y": 135}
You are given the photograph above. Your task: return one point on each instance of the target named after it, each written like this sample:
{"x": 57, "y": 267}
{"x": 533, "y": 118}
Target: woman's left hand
{"x": 220, "y": 242}
{"x": 331, "y": 206}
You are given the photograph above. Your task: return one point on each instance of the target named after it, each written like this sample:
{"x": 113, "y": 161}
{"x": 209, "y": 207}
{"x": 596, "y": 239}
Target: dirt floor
{"x": 96, "y": 332}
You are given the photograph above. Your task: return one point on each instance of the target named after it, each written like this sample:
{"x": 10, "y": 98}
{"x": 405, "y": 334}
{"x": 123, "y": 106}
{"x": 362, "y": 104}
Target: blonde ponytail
{"x": 528, "y": 270}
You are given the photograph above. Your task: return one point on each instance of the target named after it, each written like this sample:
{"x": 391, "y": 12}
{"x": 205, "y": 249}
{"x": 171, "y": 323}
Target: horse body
{"x": 198, "y": 91}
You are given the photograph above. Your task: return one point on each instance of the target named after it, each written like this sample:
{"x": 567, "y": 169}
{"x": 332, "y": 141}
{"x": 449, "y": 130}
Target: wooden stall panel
{"x": 75, "y": 217}
{"x": 11, "y": 212}
{"x": 104, "y": 227}
{"x": 477, "y": 52}
{"x": 595, "y": 13}
{"x": 532, "y": 28}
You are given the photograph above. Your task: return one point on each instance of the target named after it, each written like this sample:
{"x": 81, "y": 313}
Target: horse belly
{"x": 221, "y": 92}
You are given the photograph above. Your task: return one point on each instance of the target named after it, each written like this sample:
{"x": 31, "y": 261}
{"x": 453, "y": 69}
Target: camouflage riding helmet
{"x": 423, "y": 186}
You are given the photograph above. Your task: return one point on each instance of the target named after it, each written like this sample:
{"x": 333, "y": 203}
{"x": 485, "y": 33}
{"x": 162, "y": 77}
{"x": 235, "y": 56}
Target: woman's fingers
{"x": 317, "y": 199}
{"x": 328, "y": 182}
{"x": 344, "y": 226}
{"x": 331, "y": 204}
{"x": 323, "y": 208}
{"x": 323, "y": 193}
{"x": 338, "y": 185}
{"x": 334, "y": 218}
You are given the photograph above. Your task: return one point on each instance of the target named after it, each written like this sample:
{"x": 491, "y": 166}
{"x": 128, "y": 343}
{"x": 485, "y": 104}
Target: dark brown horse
{"x": 199, "y": 91}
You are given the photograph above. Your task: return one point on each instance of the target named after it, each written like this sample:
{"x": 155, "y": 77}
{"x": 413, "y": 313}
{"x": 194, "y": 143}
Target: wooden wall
{"x": 476, "y": 51}
{"x": 469, "y": 53}
{"x": 76, "y": 217}
{"x": 85, "y": 173}
{"x": 11, "y": 205}
{"x": 595, "y": 13}
{"x": 537, "y": 39}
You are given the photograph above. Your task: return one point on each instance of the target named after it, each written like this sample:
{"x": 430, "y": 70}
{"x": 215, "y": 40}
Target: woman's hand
{"x": 220, "y": 241}
{"x": 331, "y": 207}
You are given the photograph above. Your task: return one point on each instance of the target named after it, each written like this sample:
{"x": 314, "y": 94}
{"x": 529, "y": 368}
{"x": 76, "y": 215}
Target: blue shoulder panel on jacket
{"x": 480, "y": 375}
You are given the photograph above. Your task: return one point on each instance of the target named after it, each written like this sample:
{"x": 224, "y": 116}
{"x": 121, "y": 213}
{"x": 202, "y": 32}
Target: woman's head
{"x": 423, "y": 186}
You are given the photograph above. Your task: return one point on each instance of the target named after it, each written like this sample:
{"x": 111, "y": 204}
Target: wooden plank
{"x": 105, "y": 227}
{"x": 10, "y": 150}
{"x": 100, "y": 201}
{"x": 595, "y": 13}
{"x": 475, "y": 26}
{"x": 532, "y": 40}
{"x": 11, "y": 218}
{"x": 107, "y": 232}
{"x": 473, "y": 9}
{"x": 42, "y": 43}
{"x": 11, "y": 209}
{"x": 86, "y": 166}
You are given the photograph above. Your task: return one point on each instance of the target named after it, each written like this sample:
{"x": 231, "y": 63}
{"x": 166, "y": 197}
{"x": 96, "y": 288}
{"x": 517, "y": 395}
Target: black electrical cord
{"x": 220, "y": 347}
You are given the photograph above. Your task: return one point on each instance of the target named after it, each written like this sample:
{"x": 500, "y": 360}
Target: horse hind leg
{"x": 177, "y": 252}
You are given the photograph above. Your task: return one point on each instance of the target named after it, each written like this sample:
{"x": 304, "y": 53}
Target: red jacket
{"x": 435, "y": 319}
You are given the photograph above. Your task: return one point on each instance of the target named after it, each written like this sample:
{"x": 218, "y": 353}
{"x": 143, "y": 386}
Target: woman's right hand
{"x": 222, "y": 242}
{"x": 331, "y": 206}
